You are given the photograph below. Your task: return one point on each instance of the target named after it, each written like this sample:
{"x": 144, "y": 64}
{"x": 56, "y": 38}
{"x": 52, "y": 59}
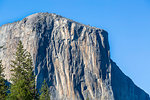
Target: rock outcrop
{"x": 72, "y": 57}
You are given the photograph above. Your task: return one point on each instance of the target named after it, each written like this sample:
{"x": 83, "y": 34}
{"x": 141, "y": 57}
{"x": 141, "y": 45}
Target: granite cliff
{"x": 73, "y": 58}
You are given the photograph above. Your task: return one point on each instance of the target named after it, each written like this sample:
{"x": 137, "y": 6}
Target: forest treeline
{"x": 23, "y": 83}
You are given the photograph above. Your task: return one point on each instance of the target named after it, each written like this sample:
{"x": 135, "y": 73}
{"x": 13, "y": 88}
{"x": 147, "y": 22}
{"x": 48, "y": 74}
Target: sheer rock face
{"x": 72, "y": 57}
{"x": 123, "y": 87}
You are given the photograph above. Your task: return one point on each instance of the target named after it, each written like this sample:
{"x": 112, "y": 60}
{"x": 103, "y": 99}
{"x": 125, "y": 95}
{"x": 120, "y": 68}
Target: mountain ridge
{"x": 81, "y": 51}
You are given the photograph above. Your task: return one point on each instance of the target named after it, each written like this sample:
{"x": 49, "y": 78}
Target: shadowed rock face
{"x": 72, "y": 57}
{"x": 123, "y": 87}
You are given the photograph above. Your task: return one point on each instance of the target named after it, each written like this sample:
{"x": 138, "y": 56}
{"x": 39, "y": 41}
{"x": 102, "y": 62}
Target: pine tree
{"x": 45, "y": 95}
{"x": 87, "y": 98}
{"x": 3, "y": 86}
{"x": 23, "y": 79}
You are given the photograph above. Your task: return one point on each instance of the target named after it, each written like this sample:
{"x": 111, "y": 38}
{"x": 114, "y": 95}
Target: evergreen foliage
{"x": 3, "y": 87}
{"x": 45, "y": 95}
{"x": 23, "y": 79}
{"x": 87, "y": 98}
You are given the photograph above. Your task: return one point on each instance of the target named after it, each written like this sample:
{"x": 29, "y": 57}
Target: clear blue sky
{"x": 127, "y": 22}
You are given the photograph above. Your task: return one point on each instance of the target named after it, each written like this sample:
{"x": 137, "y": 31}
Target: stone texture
{"x": 72, "y": 57}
